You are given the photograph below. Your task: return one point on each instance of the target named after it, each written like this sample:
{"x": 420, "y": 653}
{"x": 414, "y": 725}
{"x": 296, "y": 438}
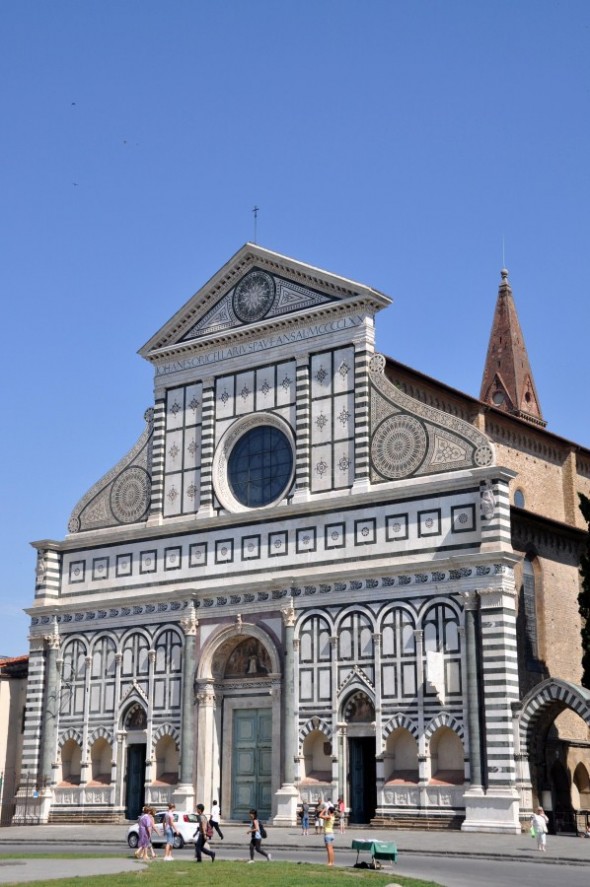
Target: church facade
{"x": 318, "y": 573}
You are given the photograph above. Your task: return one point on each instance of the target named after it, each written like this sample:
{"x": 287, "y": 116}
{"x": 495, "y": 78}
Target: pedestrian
{"x": 305, "y": 818}
{"x": 169, "y": 831}
{"x": 256, "y": 837}
{"x": 539, "y": 823}
{"x": 342, "y": 814}
{"x": 317, "y": 818}
{"x": 215, "y": 818}
{"x": 144, "y": 826}
{"x": 201, "y": 845}
{"x": 327, "y": 816}
{"x": 151, "y": 853}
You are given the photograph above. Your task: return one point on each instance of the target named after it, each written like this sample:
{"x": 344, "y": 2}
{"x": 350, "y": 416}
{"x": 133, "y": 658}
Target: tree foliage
{"x": 584, "y": 596}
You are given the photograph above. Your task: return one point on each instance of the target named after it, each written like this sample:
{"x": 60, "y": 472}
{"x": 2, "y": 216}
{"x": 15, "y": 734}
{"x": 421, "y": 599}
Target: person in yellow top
{"x": 327, "y": 815}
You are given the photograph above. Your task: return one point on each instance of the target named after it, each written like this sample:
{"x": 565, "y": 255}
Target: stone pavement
{"x": 40, "y": 838}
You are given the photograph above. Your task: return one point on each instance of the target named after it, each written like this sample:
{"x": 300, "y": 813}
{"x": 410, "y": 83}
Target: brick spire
{"x": 508, "y": 382}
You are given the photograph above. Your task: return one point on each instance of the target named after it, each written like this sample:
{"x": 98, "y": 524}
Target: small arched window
{"x": 519, "y": 499}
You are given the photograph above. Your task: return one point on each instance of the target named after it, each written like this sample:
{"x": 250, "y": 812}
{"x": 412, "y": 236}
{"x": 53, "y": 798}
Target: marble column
{"x": 287, "y": 796}
{"x": 184, "y": 795}
{"x": 471, "y": 605}
{"x": 50, "y": 721}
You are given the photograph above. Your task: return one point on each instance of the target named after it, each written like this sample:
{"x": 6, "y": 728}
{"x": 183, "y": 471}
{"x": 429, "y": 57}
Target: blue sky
{"x": 396, "y": 143}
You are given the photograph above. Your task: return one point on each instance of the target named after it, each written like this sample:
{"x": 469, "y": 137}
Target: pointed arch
{"x": 444, "y": 720}
{"x": 166, "y": 730}
{"x": 68, "y": 734}
{"x": 101, "y": 733}
{"x": 315, "y": 724}
{"x": 397, "y": 721}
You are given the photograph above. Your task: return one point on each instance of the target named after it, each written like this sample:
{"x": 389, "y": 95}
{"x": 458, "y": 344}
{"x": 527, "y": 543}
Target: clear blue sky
{"x": 396, "y": 143}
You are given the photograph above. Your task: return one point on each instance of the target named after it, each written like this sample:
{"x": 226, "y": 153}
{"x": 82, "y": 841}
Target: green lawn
{"x": 238, "y": 874}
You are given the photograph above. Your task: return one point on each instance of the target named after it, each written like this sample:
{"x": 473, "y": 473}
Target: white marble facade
{"x": 278, "y": 593}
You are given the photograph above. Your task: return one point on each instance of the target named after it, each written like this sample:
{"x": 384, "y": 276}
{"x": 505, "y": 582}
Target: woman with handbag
{"x": 539, "y": 823}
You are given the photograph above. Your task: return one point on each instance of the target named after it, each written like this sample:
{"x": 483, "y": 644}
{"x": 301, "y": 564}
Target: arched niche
{"x": 401, "y": 757}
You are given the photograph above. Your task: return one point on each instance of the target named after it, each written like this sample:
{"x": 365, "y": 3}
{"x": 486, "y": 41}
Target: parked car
{"x": 185, "y": 822}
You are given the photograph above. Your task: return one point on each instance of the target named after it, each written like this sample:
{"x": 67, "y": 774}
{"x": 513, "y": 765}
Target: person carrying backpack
{"x": 256, "y": 831}
{"x": 202, "y": 835}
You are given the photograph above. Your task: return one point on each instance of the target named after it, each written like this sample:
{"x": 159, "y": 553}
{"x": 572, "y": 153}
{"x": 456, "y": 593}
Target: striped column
{"x": 495, "y": 515}
{"x": 34, "y": 710}
{"x": 302, "y": 430}
{"x": 48, "y": 573}
{"x": 361, "y": 418}
{"x": 158, "y": 448}
{"x": 470, "y": 603}
{"x": 207, "y": 447}
{"x": 500, "y": 678}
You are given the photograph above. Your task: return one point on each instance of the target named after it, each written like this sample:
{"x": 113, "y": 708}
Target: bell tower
{"x": 508, "y": 382}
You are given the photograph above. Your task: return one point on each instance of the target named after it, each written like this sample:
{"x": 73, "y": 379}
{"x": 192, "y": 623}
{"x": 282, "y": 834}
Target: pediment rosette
{"x": 257, "y": 287}
{"x": 412, "y": 439}
{"x": 258, "y": 296}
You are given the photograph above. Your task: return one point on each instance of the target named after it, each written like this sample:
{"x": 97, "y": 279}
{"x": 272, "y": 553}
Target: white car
{"x": 185, "y": 822}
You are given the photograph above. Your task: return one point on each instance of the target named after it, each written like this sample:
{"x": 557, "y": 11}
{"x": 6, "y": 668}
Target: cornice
{"x": 247, "y": 257}
{"x": 305, "y": 317}
{"x": 425, "y": 487}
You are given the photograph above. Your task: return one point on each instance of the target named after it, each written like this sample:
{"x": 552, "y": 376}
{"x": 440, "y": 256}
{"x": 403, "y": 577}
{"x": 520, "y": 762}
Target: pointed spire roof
{"x": 508, "y": 382}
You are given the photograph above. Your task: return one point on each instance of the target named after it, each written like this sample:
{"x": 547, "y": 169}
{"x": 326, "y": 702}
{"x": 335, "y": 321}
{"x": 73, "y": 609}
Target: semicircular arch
{"x": 231, "y": 632}
{"x": 556, "y": 694}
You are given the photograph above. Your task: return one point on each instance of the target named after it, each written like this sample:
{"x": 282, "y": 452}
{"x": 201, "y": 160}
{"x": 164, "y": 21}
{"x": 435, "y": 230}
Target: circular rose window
{"x": 254, "y": 465}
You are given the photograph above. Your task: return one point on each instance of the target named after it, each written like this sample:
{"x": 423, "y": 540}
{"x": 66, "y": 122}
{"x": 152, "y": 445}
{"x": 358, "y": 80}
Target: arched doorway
{"x": 238, "y": 736}
{"x": 555, "y": 736}
{"x": 135, "y": 725}
{"x": 359, "y": 715}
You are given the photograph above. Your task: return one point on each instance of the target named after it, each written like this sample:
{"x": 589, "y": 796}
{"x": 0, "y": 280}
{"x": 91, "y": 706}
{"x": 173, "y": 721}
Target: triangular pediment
{"x": 256, "y": 289}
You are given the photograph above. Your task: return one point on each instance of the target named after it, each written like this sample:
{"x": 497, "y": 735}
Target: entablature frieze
{"x": 294, "y": 598}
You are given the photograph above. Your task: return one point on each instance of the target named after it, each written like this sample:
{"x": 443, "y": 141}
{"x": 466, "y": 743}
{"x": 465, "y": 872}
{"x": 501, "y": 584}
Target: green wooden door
{"x": 251, "y": 762}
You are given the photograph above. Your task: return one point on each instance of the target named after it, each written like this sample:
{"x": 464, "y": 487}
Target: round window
{"x": 260, "y": 466}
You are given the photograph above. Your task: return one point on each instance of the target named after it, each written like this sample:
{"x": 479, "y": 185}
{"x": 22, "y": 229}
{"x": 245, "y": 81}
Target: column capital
{"x": 52, "y": 640}
{"x": 288, "y": 614}
{"x": 190, "y": 623}
{"x": 470, "y": 600}
{"x": 206, "y": 696}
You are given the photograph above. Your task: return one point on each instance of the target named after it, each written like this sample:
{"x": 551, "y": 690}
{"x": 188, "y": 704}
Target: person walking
{"x": 256, "y": 837}
{"x": 215, "y": 818}
{"x": 169, "y": 831}
{"x": 305, "y": 818}
{"x": 144, "y": 826}
{"x": 539, "y": 822}
{"x": 201, "y": 833}
{"x": 327, "y": 816}
{"x": 151, "y": 853}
